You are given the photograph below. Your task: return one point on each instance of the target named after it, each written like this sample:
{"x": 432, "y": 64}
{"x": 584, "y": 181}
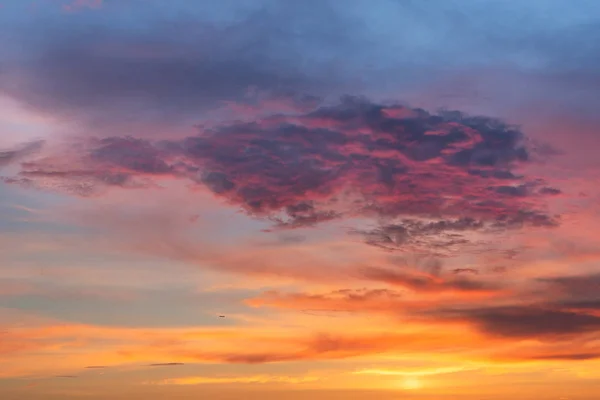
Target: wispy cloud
{"x": 170, "y": 364}
{"x": 258, "y": 379}
{"x": 12, "y": 156}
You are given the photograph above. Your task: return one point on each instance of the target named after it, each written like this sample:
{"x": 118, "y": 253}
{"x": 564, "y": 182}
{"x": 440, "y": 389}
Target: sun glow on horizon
{"x": 411, "y": 383}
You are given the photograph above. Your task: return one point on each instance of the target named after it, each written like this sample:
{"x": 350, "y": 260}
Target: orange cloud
{"x": 258, "y": 379}
{"x": 32, "y": 349}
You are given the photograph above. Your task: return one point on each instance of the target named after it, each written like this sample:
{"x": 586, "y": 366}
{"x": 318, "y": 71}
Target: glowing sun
{"x": 411, "y": 384}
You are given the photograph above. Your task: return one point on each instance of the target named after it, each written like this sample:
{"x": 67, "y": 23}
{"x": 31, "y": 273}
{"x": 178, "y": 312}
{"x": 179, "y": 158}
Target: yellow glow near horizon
{"x": 411, "y": 383}
{"x": 199, "y": 380}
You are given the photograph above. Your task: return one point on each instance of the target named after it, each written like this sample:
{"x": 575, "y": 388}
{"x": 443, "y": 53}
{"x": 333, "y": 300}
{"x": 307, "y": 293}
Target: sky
{"x": 317, "y": 199}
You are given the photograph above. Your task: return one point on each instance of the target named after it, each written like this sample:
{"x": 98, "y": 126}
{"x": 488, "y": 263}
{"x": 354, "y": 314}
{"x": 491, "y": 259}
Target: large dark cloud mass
{"x": 101, "y": 70}
{"x": 526, "y": 321}
{"x": 427, "y": 179}
{"x": 570, "y": 307}
{"x": 358, "y": 158}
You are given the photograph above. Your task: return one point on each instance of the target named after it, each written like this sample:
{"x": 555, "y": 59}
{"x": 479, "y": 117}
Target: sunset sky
{"x": 300, "y": 199}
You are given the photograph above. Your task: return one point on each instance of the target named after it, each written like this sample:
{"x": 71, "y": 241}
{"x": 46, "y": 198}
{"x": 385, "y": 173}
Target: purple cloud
{"x": 426, "y": 179}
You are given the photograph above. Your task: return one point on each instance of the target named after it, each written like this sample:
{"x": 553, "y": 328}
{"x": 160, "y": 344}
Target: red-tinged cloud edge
{"x": 425, "y": 179}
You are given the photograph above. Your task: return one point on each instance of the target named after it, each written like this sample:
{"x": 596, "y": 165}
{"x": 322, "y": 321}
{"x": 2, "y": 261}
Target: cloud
{"x": 575, "y": 293}
{"x": 437, "y": 237}
{"x": 258, "y": 379}
{"x": 427, "y": 283}
{"x": 14, "y": 155}
{"x": 96, "y": 70}
{"x": 427, "y": 179}
{"x": 358, "y": 153}
{"x": 121, "y": 162}
{"x": 549, "y": 315}
{"x": 365, "y": 300}
{"x": 114, "y": 346}
{"x": 526, "y": 321}
{"x": 171, "y": 364}
{"x": 569, "y": 356}
{"x": 576, "y": 286}
{"x": 326, "y": 346}
{"x": 465, "y": 271}
{"x": 581, "y": 305}
{"x": 13, "y": 344}
{"x": 237, "y": 345}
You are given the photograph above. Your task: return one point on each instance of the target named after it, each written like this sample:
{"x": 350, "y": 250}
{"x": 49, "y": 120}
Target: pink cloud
{"x": 352, "y": 159}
